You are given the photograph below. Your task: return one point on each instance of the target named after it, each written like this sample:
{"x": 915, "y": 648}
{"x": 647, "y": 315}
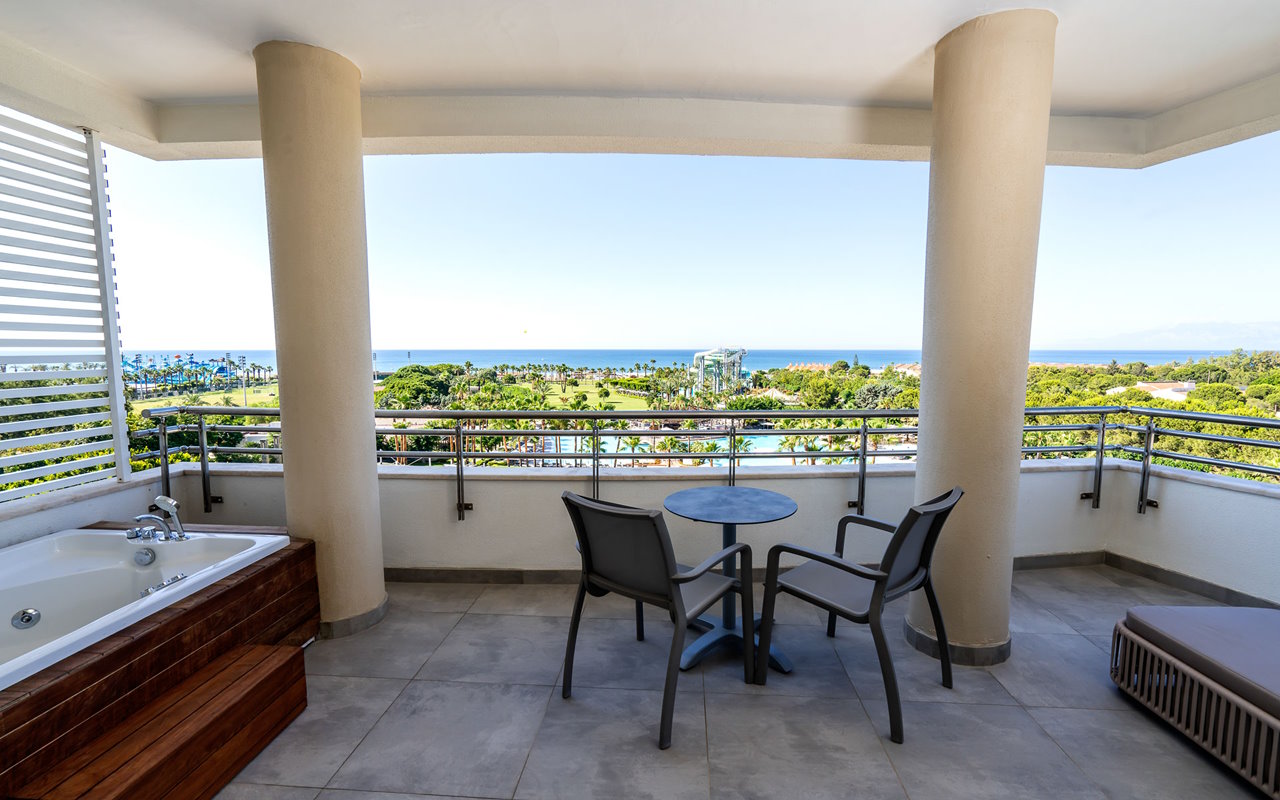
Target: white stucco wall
{"x": 518, "y": 520}
{"x": 38, "y": 515}
{"x": 1222, "y": 530}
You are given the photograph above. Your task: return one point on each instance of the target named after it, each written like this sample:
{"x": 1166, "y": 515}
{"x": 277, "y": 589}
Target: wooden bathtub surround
{"x": 193, "y": 739}
{"x": 56, "y": 713}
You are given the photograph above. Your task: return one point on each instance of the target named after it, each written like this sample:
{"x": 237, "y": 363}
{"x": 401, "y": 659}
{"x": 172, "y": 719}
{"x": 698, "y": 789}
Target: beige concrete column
{"x": 991, "y": 85}
{"x": 309, "y": 104}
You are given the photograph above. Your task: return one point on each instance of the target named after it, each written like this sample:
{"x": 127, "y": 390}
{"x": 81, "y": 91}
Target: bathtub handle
{"x": 166, "y": 582}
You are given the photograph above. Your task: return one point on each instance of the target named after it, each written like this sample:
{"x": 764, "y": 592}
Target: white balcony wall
{"x": 1220, "y": 530}
{"x": 518, "y": 520}
{"x": 41, "y": 514}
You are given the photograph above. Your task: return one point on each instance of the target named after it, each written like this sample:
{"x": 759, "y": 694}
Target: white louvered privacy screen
{"x": 62, "y": 419}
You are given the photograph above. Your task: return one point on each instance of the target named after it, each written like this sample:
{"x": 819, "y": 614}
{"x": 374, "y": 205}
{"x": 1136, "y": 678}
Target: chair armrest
{"x": 857, "y": 519}
{"x": 697, "y": 572}
{"x": 826, "y": 558}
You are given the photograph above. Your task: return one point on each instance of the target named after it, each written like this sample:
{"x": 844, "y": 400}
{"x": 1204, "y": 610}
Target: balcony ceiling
{"x": 171, "y": 79}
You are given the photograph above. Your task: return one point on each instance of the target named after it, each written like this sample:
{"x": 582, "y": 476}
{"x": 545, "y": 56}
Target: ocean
{"x": 388, "y": 360}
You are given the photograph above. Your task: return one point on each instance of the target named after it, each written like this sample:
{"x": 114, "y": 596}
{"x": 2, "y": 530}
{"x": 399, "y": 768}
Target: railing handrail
{"x": 594, "y": 455}
{"x": 586, "y": 414}
{"x": 1203, "y": 416}
{"x": 808, "y": 413}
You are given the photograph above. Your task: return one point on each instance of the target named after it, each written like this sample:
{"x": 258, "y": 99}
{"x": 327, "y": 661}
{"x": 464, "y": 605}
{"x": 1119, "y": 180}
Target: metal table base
{"x": 715, "y": 636}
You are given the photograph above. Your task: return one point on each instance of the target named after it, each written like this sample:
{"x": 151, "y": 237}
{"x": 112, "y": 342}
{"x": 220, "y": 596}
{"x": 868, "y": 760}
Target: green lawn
{"x": 621, "y": 402}
{"x": 266, "y": 393}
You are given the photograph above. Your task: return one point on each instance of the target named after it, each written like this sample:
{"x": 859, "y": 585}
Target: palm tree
{"x": 811, "y": 445}
{"x": 460, "y": 387}
{"x": 669, "y": 444}
{"x": 789, "y": 444}
{"x": 836, "y": 443}
{"x": 635, "y": 445}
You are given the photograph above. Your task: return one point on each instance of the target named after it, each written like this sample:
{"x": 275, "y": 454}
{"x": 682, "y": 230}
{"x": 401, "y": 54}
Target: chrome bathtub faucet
{"x": 150, "y": 532}
{"x": 170, "y": 508}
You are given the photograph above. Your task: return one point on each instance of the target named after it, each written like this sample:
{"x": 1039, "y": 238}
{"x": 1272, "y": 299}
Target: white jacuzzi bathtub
{"x": 86, "y": 585}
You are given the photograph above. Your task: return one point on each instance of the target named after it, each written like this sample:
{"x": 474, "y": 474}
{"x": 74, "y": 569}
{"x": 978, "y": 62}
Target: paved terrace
{"x": 455, "y": 694}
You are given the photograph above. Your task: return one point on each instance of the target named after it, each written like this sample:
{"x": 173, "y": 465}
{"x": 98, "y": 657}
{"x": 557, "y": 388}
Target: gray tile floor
{"x": 456, "y": 694}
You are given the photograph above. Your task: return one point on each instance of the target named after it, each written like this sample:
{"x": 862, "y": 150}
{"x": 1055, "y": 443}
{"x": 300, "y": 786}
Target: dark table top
{"x": 730, "y": 505}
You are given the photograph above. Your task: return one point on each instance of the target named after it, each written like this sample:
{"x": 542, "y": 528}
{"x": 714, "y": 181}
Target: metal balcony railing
{"x": 588, "y": 429}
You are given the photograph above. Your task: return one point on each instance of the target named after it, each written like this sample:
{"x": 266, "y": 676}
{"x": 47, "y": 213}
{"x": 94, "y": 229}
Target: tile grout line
{"x": 1063, "y": 750}
{"x": 867, "y": 716}
{"x": 551, "y": 693}
{"x": 409, "y": 682}
{"x": 706, "y": 727}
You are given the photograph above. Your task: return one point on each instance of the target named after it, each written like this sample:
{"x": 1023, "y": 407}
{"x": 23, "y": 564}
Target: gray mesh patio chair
{"x": 859, "y": 593}
{"x": 628, "y": 551}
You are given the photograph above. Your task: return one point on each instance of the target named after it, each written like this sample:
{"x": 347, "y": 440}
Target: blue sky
{"x": 687, "y": 251}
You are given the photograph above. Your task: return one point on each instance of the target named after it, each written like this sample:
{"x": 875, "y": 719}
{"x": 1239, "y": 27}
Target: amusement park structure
{"x": 721, "y": 366}
{"x": 184, "y": 372}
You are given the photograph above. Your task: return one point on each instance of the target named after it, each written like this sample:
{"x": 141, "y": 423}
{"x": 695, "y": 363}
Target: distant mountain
{"x": 1192, "y": 336}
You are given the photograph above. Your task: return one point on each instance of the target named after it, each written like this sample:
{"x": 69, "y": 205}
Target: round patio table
{"x": 728, "y": 506}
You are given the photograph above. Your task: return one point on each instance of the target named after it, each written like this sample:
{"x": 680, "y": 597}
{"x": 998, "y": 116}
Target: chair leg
{"x": 831, "y": 623}
{"x": 944, "y": 647}
{"x": 766, "y": 628}
{"x": 669, "y": 689}
{"x": 890, "y": 679}
{"x": 573, "y": 639}
{"x": 748, "y": 619}
{"x": 639, "y": 621}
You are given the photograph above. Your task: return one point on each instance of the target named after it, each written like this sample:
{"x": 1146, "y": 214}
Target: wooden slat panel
{"x": 158, "y": 768}
{"x": 49, "y": 215}
{"x": 92, "y": 763}
{"x": 61, "y": 136}
{"x": 76, "y": 701}
{"x": 54, "y": 469}
{"x": 60, "y": 483}
{"x": 62, "y": 171}
{"x": 47, "y": 311}
{"x": 52, "y": 422}
{"x": 36, "y": 179}
{"x": 56, "y": 359}
{"x": 58, "y": 436}
{"x": 44, "y": 262}
{"x": 71, "y": 203}
{"x": 215, "y": 773}
{"x": 50, "y": 327}
{"x": 51, "y": 406}
{"x": 47, "y": 247}
{"x": 45, "y": 294}
{"x": 51, "y": 375}
{"x": 44, "y": 230}
{"x": 43, "y": 149}
{"x": 55, "y": 390}
{"x": 46, "y": 455}
{"x": 35, "y": 277}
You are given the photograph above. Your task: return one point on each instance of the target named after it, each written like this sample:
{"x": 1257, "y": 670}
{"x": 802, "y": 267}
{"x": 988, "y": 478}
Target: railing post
{"x": 462, "y": 503}
{"x": 1096, "y": 494}
{"x": 860, "y": 505}
{"x": 595, "y": 459}
{"x": 162, "y": 427}
{"x": 1144, "y": 483}
{"x": 204, "y": 465}
{"x": 733, "y": 453}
